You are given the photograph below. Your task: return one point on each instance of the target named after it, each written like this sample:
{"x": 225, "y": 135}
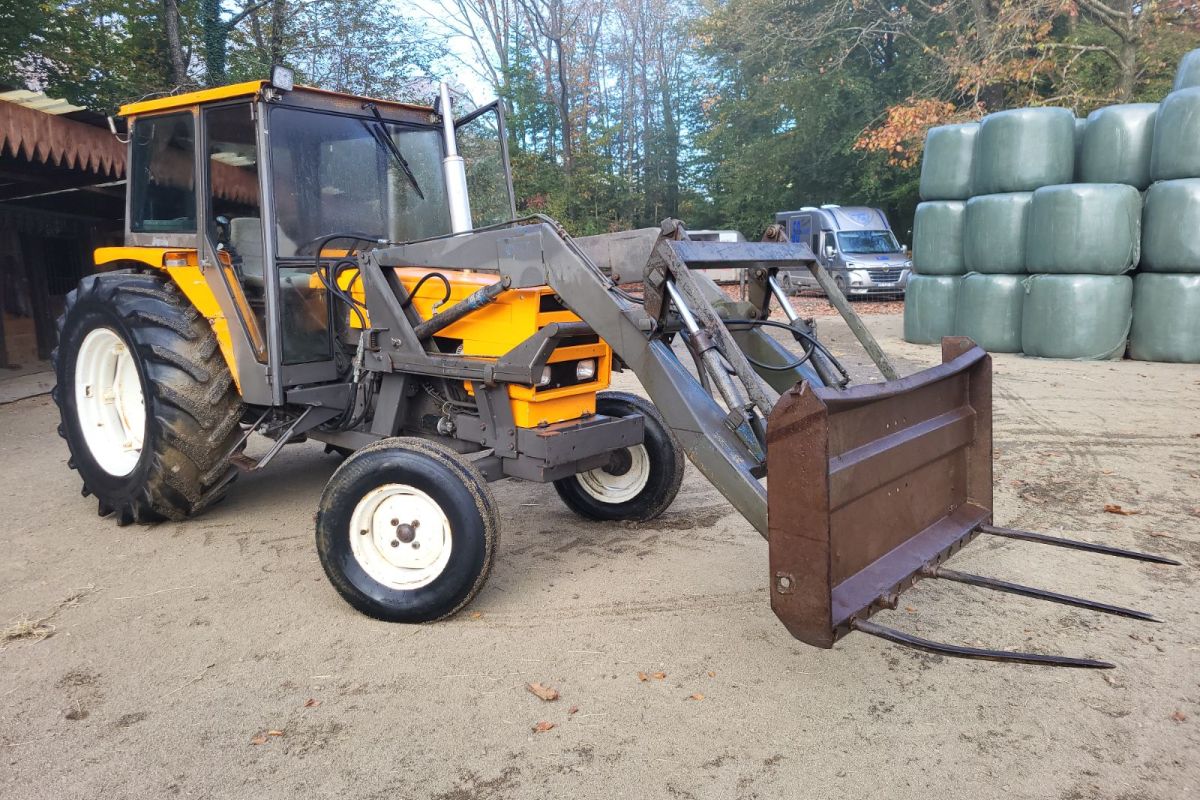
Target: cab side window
{"x": 163, "y": 175}
{"x": 235, "y": 216}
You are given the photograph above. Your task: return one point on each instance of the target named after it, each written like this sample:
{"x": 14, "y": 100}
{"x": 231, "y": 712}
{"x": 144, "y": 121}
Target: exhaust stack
{"x": 455, "y": 170}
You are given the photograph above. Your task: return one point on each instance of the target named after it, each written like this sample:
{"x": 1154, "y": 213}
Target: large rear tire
{"x": 407, "y": 530}
{"x": 146, "y": 401}
{"x": 639, "y": 482}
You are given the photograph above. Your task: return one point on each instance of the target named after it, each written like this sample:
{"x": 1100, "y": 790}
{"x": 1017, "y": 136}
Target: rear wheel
{"x": 146, "y": 401}
{"x": 407, "y": 530}
{"x": 639, "y": 482}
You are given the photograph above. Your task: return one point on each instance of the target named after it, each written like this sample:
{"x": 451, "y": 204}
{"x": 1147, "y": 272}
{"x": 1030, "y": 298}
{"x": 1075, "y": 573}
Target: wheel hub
{"x": 400, "y": 536}
{"x": 109, "y": 401}
{"x": 621, "y": 479}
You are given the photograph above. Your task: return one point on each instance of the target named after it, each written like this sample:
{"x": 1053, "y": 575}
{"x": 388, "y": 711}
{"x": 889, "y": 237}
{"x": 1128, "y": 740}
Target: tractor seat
{"x": 246, "y": 241}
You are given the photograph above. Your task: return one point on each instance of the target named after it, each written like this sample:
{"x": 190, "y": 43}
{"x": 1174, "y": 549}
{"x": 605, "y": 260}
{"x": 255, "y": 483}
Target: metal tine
{"x": 1075, "y": 544}
{"x": 1041, "y": 594}
{"x": 959, "y": 651}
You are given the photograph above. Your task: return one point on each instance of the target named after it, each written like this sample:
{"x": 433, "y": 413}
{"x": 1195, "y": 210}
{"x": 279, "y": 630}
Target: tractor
{"x": 307, "y": 264}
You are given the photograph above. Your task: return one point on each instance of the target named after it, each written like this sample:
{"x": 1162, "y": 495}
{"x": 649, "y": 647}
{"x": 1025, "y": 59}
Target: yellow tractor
{"x": 308, "y": 264}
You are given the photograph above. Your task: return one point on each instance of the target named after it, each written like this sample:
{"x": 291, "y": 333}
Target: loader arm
{"x": 541, "y": 255}
{"x": 875, "y": 486}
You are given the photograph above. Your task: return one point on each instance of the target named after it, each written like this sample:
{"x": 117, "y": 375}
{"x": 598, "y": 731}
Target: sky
{"x": 462, "y": 50}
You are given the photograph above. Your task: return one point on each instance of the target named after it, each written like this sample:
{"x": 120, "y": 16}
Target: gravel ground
{"x": 211, "y": 659}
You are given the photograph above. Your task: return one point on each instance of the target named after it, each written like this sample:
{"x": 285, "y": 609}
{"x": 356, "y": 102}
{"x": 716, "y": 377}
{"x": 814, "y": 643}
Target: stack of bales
{"x": 1053, "y": 225}
{"x": 1166, "y": 294}
{"x": 1084, "y": 237}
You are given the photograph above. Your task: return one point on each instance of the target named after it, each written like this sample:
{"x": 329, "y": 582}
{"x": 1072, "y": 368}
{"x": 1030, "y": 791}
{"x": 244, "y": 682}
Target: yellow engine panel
{"x": 500, "y": 326}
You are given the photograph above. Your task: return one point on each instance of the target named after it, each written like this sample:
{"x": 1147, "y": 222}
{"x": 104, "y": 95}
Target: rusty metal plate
{"x": 872, "y": 485}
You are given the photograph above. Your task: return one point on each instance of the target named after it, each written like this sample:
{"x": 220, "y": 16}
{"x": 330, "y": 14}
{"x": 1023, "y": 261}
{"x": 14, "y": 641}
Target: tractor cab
{"x": 236, "y": 188}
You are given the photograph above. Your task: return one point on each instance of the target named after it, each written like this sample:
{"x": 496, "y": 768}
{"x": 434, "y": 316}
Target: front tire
{"x": 407, "y": 530}
{"x": 146, "y": 401}
{"x": 640, "y": 482}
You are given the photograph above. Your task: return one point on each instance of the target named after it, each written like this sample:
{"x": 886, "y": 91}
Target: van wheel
{"x": 639, "y": 482}
{"x": 407, "y": 530}
{"x": 147, "y": 404}
{"x": 840, "y": 282}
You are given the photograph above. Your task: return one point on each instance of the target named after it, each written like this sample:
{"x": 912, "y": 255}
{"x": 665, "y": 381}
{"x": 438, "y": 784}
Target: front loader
{"x": 305, "y": 264}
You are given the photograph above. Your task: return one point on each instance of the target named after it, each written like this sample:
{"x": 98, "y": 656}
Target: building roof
{"x": 47, "y": 139}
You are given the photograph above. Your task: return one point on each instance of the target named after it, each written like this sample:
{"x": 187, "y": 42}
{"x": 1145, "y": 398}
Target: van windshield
{"x": 867, "y": 242}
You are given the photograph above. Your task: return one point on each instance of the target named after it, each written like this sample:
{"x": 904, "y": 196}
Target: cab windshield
{"x": 867, "y": 242}
{"x": 346, "y": 174}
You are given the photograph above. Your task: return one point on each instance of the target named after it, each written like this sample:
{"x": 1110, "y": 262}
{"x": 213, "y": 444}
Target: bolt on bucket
{"x": 872, "y": 488}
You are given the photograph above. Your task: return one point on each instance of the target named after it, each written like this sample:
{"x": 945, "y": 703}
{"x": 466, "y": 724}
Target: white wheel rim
{"x": 109, "y": 401}
{"x": 400, "y": 536}
{"x": 609, "y": 488}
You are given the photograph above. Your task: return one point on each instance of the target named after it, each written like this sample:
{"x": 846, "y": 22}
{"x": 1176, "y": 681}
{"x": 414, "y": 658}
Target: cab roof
{"x": 246, "y": 89}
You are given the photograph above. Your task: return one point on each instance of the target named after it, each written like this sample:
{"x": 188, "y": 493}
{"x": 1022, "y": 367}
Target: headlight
{"x": 858, "y": 277}
{"x": 545, "y": 379}
{"x": 585, "y": 370}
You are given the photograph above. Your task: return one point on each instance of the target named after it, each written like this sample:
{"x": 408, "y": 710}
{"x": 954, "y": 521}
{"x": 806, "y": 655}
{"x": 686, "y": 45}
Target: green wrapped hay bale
{"x": 989, "y": 311}
{"x": 1188, "y": 74}
{"x": 938, "y": 237}
{"x": 1166, "y": 318}
{"x": 1176, "y": 152}
{"x": 948, "y": 161}
{"x": 1092, "y": 228}
{"x": 930, "y": 306}
{"x": 1024, "y": 149}
{"x": 1117, "y": 145}
{"x": 1171, "y": 227}
{"x": 1082, "y": 317}
{"x": 994, "y": 232}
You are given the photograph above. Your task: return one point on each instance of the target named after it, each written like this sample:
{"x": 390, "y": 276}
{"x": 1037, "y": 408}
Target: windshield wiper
{"x": 379, "y": 133}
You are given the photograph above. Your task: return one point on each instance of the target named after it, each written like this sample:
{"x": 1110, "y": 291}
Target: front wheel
{"x": 407, "y": 530}
{"x": 639, "y": 482}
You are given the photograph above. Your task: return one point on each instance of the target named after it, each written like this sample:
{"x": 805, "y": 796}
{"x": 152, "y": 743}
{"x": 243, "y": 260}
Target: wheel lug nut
{"x": 395, "y": 522}
{"x": 416, "y": 523}
{"x": 416, "y": 545}
{"x": 395, "y": 542}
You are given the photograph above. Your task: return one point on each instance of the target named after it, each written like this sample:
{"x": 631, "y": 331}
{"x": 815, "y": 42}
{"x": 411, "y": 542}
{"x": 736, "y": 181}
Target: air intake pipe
{"x": 455, "y": 170}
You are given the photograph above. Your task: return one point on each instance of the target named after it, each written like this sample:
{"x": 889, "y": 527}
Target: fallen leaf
{"x": 910, "y": 609}
{"x": 476, "y": 614}
{"x": 1179, "y": 716}
{"x": 274, "y": 732}
{"x": 1113, "y": 508}
{"x": 1033, "y": 498}
{"x": 312, "y": 702}
{"x": 712, "y": 674}
{"x": 658, "y": 676}
{"x": 259, "y": 739}
{"x": 1160, "y": 535}
{"x": 1107, "y": 471}
{"x": 572, "y": 710}
{"x": 545, "y": 692}
{"x": 696, "y": 696}
{"x": 1195, "y": 512}
{"x": 643, "y": 677}
{"x": 543, "y": 726}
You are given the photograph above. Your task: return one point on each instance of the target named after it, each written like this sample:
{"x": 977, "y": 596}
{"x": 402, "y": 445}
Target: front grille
{"x": 885, "y": 275}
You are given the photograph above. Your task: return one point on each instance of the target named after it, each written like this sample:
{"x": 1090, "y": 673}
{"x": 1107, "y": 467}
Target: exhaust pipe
{"x": 455, "y": 170}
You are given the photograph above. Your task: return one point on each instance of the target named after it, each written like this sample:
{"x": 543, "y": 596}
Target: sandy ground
{"x": 174, "y": 646}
